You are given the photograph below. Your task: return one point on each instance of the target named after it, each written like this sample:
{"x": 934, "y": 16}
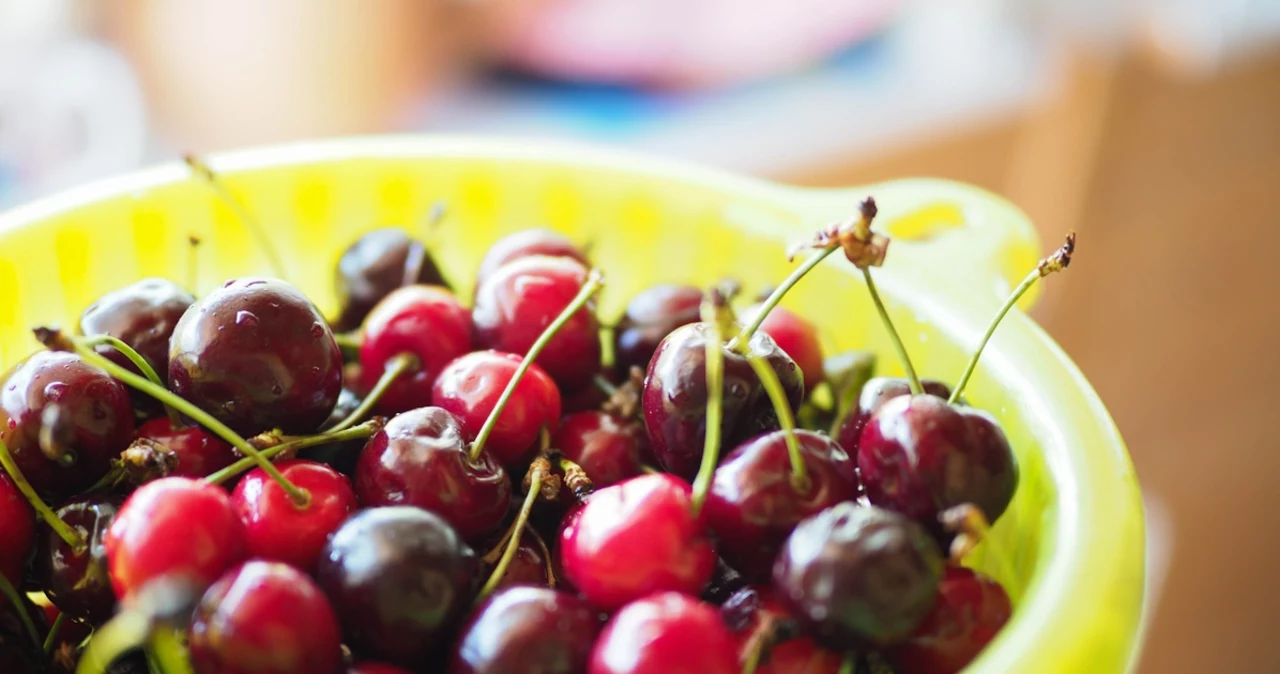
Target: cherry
{"x": 858, "y": 576}
{"x": 176, "y": 527}
{"x": 667, "y": 633}
{"x": 374, "y": 266}
{"x": 198, "y": 452}
{"x": 650, "y": 316}
{"x": 759, "y": 639}
{"x": 17, "y": 530}
{"x": 875, "y": 393}
{"x": 265, "y": 618}
{"x": 970, "y": 610}
{"x": 607, "y": 447}
{"x": 754, "y": 503}
{"x": 86, "y": 415}
{"x": 636, "y": 538}
{"x": 529, "y": 565}
{"x": 370, "y": 667}
{"x": 796, "y": 336}
{"x": 518, "y": 301}
{"x": 425, "y": 321}
{"x": 75, "y": 577}
{"x": 530, "y": 630}
{"x": 276, "y": 528}
{"x": 420, "y": 458}
{"x": 257, "y": 355}
{"x": 399, "y": 578}
{"x": 526, "y": 243}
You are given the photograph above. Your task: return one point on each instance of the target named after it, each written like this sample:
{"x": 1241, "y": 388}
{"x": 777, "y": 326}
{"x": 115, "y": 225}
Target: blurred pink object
{"x": 680, "y": 43}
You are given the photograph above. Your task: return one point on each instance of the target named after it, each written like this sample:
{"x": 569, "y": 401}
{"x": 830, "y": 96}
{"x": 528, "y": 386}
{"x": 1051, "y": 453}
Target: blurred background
{"x": 1152, "y": 127}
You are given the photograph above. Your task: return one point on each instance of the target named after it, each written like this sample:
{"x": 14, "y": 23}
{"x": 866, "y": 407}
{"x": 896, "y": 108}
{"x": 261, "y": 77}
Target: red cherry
{"x": 426, "y": 321}
{"x": 796, "y": 336}
{"x": 797, "y": 654}
{"x": 970, "y": 610}
{"x": 527, "y": 629}
{"x": 265, "y": 618}
{"x": 526, "y": 243}
{"x": 469, "y": 388}
{"x": 276, "y": 528}
{"x": 518, "y": 302}
{"x": 199, "y": 452}
{"x": 876, "y": 392}
{"x": 17, "y": 530}
{"x": 607, "y": 447}
{"x": 636, "y": 538}
{"x": 666, "y": 633}
{"x": 174, "y": 526}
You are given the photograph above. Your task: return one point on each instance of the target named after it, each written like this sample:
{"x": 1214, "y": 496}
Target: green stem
{"x": 782, "y": 407}
{"x": 66, "y": 533}
{"x": 362, "y": 431}
{"x": 10, "y": 593}
{"x": 513, "y": 540}
{"x": 593, "y": 284}
{"x": 397, "y": 366}
{"x": 52, "y": 637}
{"x": 211, "y": 179}
{"x": 604, "y": 385}
{"x": 348, "y": 340}
{"x": 850, "y": 664}
{"x": 139, "y": 362}
{"x": 744, "y": 337}
{"x": 715, "y": 410}
{"x": 752, "y": 662}
{"x": 912, "y": 379}
{"x": 167, "y": 653}
{"x": 972, "y": 365}
{"x": 121, "y": 634}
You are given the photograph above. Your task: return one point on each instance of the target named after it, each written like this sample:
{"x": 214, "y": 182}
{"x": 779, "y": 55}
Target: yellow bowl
{"x": 1072, "y": 541}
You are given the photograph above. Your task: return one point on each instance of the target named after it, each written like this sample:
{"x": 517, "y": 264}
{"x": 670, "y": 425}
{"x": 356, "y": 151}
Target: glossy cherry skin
{"x": 199, "y": 452}
{"x": 651, "y": 315}
{"x": 636, "y": 538}
{"x": 399, "y": 578}
{"x": 375, "y": 265}
{"x": 798, "y": 654}
{"x": 527, "y": 243}
{"x": 607, "y": 447}
{"x": 276, "y": 528}
{"x": 970, "y": 611}
{"x": 531, "y": 630}
{"x": 469, "y": 388}
{"x": 265, "y": 618}
{"x": 17, "y": 530}
{"x": 858, "y": 576}
{"x": 426, "y": 321}
{"x": 920, "y": 455}
{"x": 92, "y": 414}
{"x": 256, "y": 354}
{"x": 76, "y": 581}
{"x": 753, "y": 507}
{"x": 795, "y": 335}
{"x": 666, "y": 633}
{"x": 519, "y": 301}
{"x": 176, "y": 527}
{"x": 876, "y": 392}
{"x": 419, "y": 458}
{"x": 675, "y": 396}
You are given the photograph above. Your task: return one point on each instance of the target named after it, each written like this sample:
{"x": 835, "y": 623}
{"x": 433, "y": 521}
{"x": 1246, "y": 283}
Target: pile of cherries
{"x": 234, "y": 484}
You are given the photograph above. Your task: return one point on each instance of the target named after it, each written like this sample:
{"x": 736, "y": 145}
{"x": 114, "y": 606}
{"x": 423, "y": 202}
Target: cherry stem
{"x": 52, "y": 637}
{"x": 10, "y": 593}
{"x": 66, "y": 533}
{"x": 546, "y": 555}
{"x": 756, "y": 652}
{"x": 513, "y": 538}
{"x": 193, "y": 263}
{"x": 397, "y": 366}
{"x": 595, "y": 280}
{"x": 715, "y": 403}
{"x": 139, "y": 362}
{"x": 782, "y": 407}
{"x": 359, "y": 432}
{"x": 119, "y": 635}
{"x": 166, "y": 652}
{"x": 54, "y": 339}
{"x": 740, "y": 343}
{"x": 850, "y": 664}
{"x": 971, "y": 527}
{"x": 202, "y": 170}
{"x": 912, "y": 379}
{"x": 604, "y": 385}
{"x": 1056, "y": 262}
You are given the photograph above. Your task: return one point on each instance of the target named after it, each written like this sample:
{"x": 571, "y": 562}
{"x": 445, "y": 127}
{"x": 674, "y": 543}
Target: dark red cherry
{"x": 607, "y": 447}
{"x": 876, "y": 392}
{"x": 970, "y": 611}
{"x": 636, "y": 538}
{"x": 666, "y": 633}
{"x": 675, "y": 396}
{"x": 858, "y": 576}
{"x": 651, "y": 315}
{"x": 753, "y": 506}
{"x": 257, "y": 355}
{"x": 796, "y": 336}
{"x": 173, "y": 527}
{"x": 526, "y": 243}
{"x": 426, "y": 321}
{"x": 88, "y": 411}
{"x": 371, "y": 667}
{"x": 519, "y": 301}
{"x": 920, "y": 455}
{"x": 198, "y": 451}
{"x": 399, "y": 577}
{"x": 276, "y": 528}
{"x": 469, "y": 388}
{"x": 76, "y": 581}
{"x": 529, "y": 565}
{"x": 791, "y": 655}
{"x": 531, "y": 630}
{"x": 375, "y": 265}
{"x": 17, "y": 530}
{"x": 265, "y": 618}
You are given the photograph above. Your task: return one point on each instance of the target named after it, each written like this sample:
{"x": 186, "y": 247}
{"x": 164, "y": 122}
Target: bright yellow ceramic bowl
{"x": 1073, "y": 537}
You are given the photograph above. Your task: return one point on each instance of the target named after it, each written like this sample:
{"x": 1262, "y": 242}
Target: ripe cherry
{"x": 527, "y": 629}
{"x": 75, "y": 578}
{"x": 399, "y": 578}
{"x": 970, "y": 611}
{"x": 792, "y": 654}
{"x": 607, "y": 447}
{"x": 666, "y": 633}
{"x": 526, "y": 243}
{"x": 17, "y": 530}
{"x": 176, "y": 527}
{"x": 875, "y": 393}
{"x": 198, "y": 452}
{"x": 651, "y": 315}
{"x": 265, "y": 618}
{"x": 796, "y": 336}
{"x": 374, "y": 266}
{"x": 257, "y": 355}
{"x": 86, "y": 415}
{"x": 425, "y": 321}
{"x": 636, "y": 538}
{"x": 276, "y": 528}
